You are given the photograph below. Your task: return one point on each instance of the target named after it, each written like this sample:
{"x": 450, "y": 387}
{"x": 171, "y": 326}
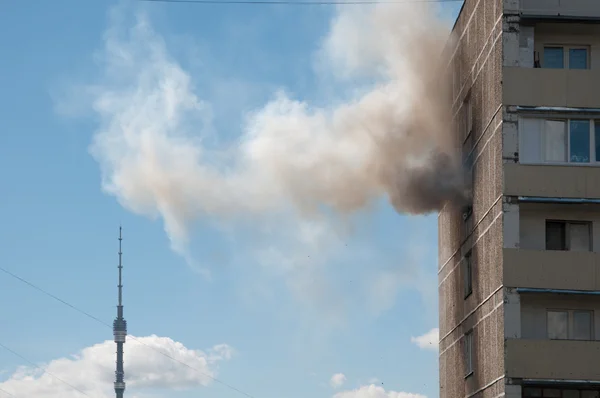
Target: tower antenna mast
{"x": 120, "y": 329}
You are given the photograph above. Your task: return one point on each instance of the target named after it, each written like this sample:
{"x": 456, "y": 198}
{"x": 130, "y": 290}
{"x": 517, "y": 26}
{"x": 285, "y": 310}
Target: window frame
{"x": 468, "y": 274}
{"x": 548, "y": 311}
{"x": 468, "y": 103}
{"x": 468, "y": 353}
{"x": 571, "y": 323}
{"x": 566, "y": 48}
{"x": 532, "y": 390}
{"x": 594, "y": 123}
{"x": 567, "y": 234}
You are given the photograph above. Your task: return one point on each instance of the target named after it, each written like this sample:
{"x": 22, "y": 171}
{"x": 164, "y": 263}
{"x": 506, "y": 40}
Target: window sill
{"x": 572, "y": 339}
{"x": 468, "y": 294}
{"x": 469, "y": 374}
{"x": 591, "y": 164}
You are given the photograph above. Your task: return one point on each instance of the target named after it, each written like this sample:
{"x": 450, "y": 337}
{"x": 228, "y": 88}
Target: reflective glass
{"x": 579, "y": 141}
{"x": 578, "y": 58}
{"x": 554, "y": 57}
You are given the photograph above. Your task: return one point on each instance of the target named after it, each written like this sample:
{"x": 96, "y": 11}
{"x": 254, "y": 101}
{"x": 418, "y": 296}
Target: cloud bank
{"x": 428, "y": 341}
{"x": 92, "y": 370}
{"x": 372, "y": 391}
{"x": 337, "y": 380}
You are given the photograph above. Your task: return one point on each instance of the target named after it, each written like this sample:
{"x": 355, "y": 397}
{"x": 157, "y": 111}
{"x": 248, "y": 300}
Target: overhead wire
{"x": 7, "y": 393}
{"x": 43, "y": 369}
{"x": 215, "y": 2}
{"x": 87, "y": 314}
{"x": 300, "y": 2}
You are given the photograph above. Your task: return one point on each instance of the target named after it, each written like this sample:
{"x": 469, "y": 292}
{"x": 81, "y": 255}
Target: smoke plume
{"x": 392, "y": 140}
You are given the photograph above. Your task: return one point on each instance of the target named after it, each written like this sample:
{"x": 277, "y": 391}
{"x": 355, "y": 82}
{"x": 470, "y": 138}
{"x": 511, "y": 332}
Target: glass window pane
{"x": 590, "y": 394}
{"x": 530, "y": 140}
{"x": 555, "y": 137}
{"x": 570, "y": 394}
{"x": 468, "y": 275}
{"x": 579, "y": 140}
{"x": 597, "y": 139}
{"x": 469, "y": 352}
{"x": 555, "y": 235}
{"x": 558, "y": 325}
{"x": 529, "y": 392}
{"x": 579, "y": 237}
{"x": 551, "y": 393}
{"x": 582, "y": 325}
{"x": 554, "y": 57}
{"x": 578, "y": 58}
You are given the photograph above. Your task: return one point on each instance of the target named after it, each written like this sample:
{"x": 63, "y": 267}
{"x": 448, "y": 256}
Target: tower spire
{"x": 120, "y": 329}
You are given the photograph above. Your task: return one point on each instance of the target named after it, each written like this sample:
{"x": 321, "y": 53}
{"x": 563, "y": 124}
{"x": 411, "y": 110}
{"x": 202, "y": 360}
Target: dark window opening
{"x": 568, "y": 235}
{"x": 468, "y": 274}
{"x": 561, "y": 392}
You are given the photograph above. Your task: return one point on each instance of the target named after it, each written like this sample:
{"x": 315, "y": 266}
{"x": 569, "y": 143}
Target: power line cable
{"x": 110, "y": 326}
{"x": 43, "y": 369}
{"x": 7, "y": 393}
{"x": 299, "y": 2}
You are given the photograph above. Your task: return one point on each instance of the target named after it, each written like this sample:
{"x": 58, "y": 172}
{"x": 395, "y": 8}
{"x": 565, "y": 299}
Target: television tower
{"x": 120, "y": 332}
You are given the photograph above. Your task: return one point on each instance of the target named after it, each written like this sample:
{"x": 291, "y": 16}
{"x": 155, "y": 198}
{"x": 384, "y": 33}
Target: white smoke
{"x": 394, "y": 140}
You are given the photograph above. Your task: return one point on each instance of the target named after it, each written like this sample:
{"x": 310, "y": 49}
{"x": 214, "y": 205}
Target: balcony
{"x": 560, "y": 8}
{"x": 565, "y": 270}
{"x": 552, "y": 181}
{"x": 552, "y": 359}
{"x": 574, "y": 88}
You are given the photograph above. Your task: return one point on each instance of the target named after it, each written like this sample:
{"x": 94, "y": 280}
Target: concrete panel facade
{"x": 477, "y": 66}
{"x": 533, "y": 216}
{"x": 551, "y": 181}
{"x": 492, "y": 69}
{"x": 552, "y": 359}
{"x": 569, "y": 88}
{"x": 552, "y": 269}
{"x": 561, "y": 8}
{"x": 534, "y": 307}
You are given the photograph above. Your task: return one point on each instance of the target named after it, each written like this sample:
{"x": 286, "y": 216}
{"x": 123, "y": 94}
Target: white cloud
{"x": 337, "y": 380}
{"x": 372, "y": 391}
{"x": 428, "y": 341}
{"x": 92, "y": 369}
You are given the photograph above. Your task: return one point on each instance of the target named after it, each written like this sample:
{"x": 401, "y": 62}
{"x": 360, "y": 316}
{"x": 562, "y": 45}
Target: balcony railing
{"x": 552, "y": 359}
{"x": 549, "y": 269}
{"x": 560, "y": 8}
{"x": 574, "y": 88}
{"x": 551, "y": 181}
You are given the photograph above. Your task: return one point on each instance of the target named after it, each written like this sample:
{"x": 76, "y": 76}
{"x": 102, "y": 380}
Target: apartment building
{"x": 519, "y": 265}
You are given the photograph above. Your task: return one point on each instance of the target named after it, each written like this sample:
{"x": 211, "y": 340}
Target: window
{"x": 568, "y": 235}
{"x": 468, "y": 115}
{"x": 469, "y": 153}
{"x": 571, "y": 57}
{"x": 597, "y": 141}
{"x": 468, "y": 274}
{"x": 554, "y": 57}
{"x": 579, "y": 141}
{"x": 469, "y": 353}
{"x": 570, "y": 324}
{"x": 582, "y": 325}
{"x": 557, "y": 392}
{"x": 559, "y": 140}
{"x": 467, "y": 220}
{"x": 558, "y": 325}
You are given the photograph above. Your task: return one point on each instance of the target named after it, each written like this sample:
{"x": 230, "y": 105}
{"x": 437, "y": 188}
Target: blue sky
{"x": 291, "y": 321}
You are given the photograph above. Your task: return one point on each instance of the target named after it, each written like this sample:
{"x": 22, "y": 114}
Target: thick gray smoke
{"x": 392, "y": 140}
